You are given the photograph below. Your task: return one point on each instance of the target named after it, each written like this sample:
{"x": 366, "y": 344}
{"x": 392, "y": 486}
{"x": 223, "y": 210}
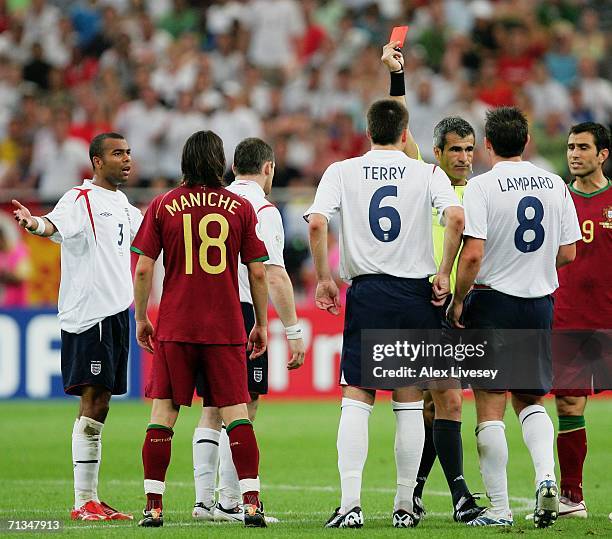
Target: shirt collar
{"x": 510, "y": 163}
{"x": 249, "y": 184}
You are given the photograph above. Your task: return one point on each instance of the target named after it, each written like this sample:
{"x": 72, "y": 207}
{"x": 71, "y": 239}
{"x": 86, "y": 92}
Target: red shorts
{"x": 582, "y": 362}
{"x": 177, "y": 364}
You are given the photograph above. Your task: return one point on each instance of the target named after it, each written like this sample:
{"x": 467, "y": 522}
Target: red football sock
{"x": 156, "y": 452}
{"x": 572, "y": 450}
{"x": 245, "y": 455}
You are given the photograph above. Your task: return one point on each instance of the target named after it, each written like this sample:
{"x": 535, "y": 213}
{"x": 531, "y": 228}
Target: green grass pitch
{"x": 298, "y": 470}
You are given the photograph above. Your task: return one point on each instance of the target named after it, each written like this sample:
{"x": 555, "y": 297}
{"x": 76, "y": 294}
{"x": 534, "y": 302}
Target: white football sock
{"x": 409, "y": 441}
{"x": 352, "y": 450}
{"x": 229, "y": 487}
{"x": 539, "y": 437}
{"x": 205, "y": 464}
{"x": 86, "y": 455}
{"x": 493, "y": 455}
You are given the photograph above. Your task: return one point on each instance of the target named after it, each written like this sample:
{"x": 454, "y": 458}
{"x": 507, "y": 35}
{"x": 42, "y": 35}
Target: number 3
{"x": 120, "y": 242}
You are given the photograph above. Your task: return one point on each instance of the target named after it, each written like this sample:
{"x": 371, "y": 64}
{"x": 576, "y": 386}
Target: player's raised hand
{"x": 440, "y": 289}
{"x": 327, "y": 297}
{"x": 298, "y": 350}
{"x": 392, "y": 57}
{"x": 453, "y": 314}
{"x": 144, "y": 334}
{"x": 23, "y": 215}
{"x": 258, "y": 341}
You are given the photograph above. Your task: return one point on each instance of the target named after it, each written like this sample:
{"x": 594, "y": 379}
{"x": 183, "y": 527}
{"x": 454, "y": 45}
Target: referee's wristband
{"x": 398, "y": 86}
{"x": 40, "y": 228}
{"x": 294, "y": 332}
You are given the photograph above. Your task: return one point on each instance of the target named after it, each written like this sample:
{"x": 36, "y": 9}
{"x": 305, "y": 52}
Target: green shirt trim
{"x": 136, "y": 250}
{"x": 260, "y": 259}
{"x": 589, "y": 195}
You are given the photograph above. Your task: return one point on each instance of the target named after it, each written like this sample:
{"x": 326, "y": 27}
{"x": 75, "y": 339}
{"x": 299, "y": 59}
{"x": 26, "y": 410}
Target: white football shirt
{"x": 95, "y": 227}
{"x": 269, "y": 229}
{"x": 524, "y": 213}
{"x": 385, "y": 200}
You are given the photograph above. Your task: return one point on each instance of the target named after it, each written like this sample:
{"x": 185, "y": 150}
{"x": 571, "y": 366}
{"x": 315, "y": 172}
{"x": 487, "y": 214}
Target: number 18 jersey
{"x": 385, "y": 201}
{"x": 525, "y": 214}
{"x": 201, "y": 231}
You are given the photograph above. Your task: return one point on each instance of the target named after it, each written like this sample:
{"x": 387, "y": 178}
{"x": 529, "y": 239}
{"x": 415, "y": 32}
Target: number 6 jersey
{"x": 385, "y": 200}
{"x": 525, "y": 214}
{"x": 201, "y": 230}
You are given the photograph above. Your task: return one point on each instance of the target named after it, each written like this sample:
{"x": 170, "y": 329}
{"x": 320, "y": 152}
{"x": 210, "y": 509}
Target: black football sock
{"x": 447, "y": 439}
{"x": 427, "y": 461}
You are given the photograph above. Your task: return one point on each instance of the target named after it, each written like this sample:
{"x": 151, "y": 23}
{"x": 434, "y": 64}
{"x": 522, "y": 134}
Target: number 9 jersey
{"x": 201, "y": 231}
{"x": 584, "y": 298}
{"x": 385, "y": 200}
{"x": 525, "y": 214}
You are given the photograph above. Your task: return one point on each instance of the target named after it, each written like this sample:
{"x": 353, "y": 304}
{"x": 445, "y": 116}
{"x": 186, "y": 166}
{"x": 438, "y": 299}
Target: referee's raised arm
{"x": 394, "y": 60}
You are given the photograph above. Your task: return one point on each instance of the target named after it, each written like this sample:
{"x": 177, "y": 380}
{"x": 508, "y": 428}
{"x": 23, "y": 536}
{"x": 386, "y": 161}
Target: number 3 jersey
{"x": 95, "y": 227}
{"x": 525, "y": 214}
{"x": 385, "y": 201}
{"x": 201, "y": 232}
{"x": 584, "y": 297}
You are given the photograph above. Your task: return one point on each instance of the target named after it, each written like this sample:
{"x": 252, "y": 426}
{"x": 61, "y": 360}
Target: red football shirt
{"x": 201, "y": 231}
{"x": 584, "y": 297}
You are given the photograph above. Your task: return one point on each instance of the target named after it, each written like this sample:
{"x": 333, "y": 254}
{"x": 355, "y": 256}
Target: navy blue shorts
{"x": 257, "y": 369}
{"x": 98, "y": 356}
{"x": 382, "y": 302}
{"x": 523, "y": 357}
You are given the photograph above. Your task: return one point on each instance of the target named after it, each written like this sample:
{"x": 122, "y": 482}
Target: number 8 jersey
{"x": 385, "y": 200}
{"x": 525, "y": 214}
{"x": 201, "y": 230}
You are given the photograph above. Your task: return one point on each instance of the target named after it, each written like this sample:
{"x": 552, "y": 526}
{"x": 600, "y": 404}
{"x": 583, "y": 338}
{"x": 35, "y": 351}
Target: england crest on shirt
{"x": 96, "y": 367}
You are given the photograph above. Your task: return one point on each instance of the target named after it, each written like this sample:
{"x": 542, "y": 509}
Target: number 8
{"x": 525, "y": 224}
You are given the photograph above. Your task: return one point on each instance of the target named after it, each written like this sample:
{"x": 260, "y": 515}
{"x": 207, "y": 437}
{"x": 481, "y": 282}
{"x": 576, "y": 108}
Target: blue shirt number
{"x": 377, "y": 212}
{"x": 529, "y": 224}
{"x": 120, "y": 242}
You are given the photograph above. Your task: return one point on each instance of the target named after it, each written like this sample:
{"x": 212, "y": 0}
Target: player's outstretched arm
{"x": 566, "y": 255}
{"x": 143, "y": 281}
{"x": 281, "y": 293}
{"x": 258, "y": 338}
{"x": 327, "y": 296}
{"x": 394, "y": 60}
{"x": 467, "y": 270}
{"x": 39, "y": 226}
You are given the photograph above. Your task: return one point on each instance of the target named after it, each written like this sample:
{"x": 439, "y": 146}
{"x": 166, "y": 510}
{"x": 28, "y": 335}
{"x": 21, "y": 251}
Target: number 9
{"x": 588, "y": 231}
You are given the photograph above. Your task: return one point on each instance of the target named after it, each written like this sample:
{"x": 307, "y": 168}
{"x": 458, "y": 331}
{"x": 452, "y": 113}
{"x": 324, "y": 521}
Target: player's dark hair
{"x": 507, "y": 130}
{"x": 601, "y": 136}
{"x": 203, "y": 160}
{"x": 386, "y": 121}
{"x": 251, "y": 155}
{"x": 451, "y": 124}
{"x": 96, "y": 147}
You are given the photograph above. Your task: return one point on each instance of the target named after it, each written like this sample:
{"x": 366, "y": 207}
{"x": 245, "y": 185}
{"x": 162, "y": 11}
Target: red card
{"x": 399, "y": 34}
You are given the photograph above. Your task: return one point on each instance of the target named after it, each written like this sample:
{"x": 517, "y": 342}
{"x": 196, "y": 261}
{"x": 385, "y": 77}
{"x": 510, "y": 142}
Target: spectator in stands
{"x": 142, "y": 122}
{"x": 60, "y": 161}
{"x": 14, "y": 268}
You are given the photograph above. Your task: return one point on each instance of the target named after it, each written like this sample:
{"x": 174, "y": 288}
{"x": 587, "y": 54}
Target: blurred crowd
{"x": 299, "y": 74}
